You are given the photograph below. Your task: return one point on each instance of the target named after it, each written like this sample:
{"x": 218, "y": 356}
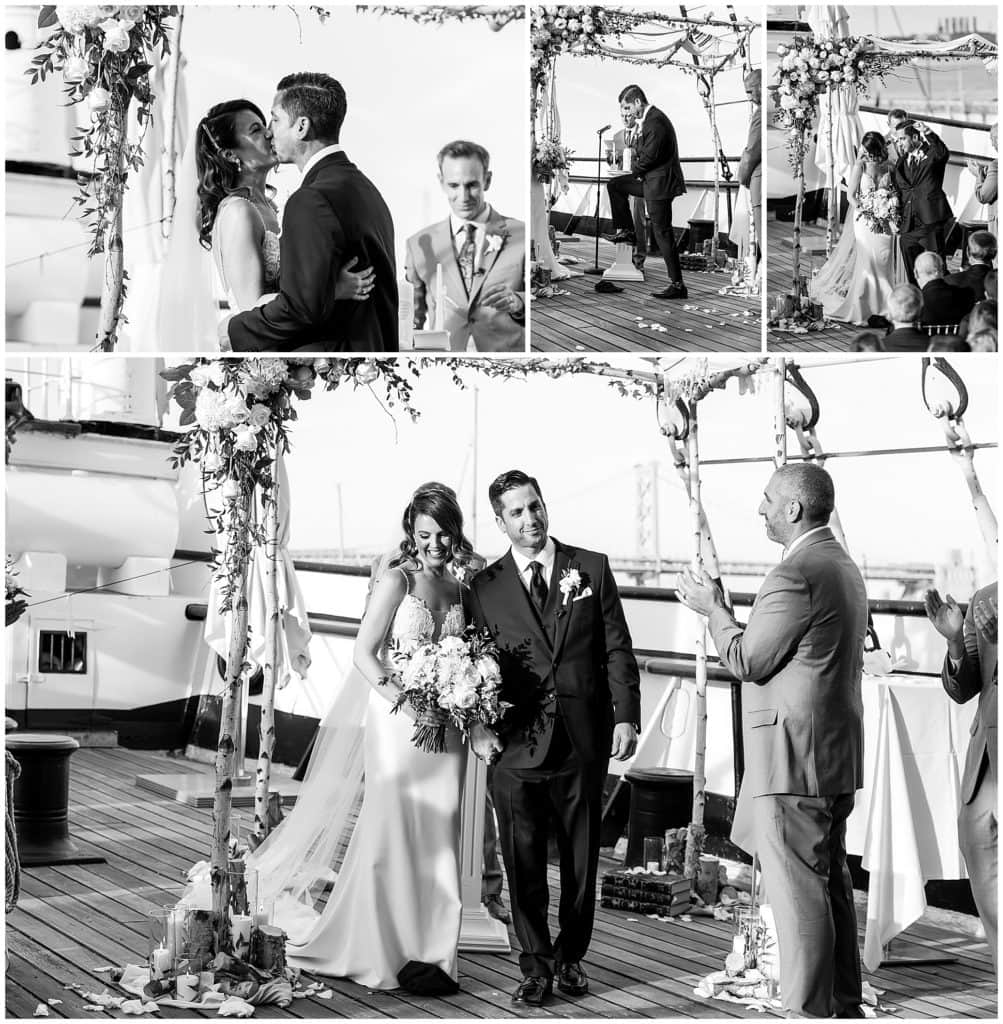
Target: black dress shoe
{"x": 533, "y": 991}
{"x": 571, "y": 979}
{"x": 624, "y": 238}
{"x": 674, "y": 291}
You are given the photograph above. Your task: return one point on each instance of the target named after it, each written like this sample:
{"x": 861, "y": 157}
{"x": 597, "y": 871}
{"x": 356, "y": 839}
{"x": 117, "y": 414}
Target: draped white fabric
{"x": 841, "y": 135}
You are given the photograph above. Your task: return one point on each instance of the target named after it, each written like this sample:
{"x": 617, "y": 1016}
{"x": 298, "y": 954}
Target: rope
{"x": 81, "y": 245}
{"x": 801, "y": 385}
{"x": 12, "y": 865}
{"x": 105, "y": 586}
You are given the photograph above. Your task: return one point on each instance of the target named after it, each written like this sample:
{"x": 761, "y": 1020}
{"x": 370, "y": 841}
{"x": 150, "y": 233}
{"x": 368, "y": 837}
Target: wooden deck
{"x": 72, "y": 919}
{"x": 779, "y": 273}
{"x": 580, "y": 319}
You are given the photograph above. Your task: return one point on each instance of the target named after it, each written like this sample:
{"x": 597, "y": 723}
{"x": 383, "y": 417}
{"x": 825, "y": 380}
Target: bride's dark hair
{"x": 218, "y": 175}
{"x": 440, "y": 503}
{"x": 874, "y": 146}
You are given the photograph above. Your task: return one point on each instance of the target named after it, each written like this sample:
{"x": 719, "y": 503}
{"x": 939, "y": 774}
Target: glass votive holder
{"x": 654, "y": 849}
{"x": 159, "y": 930}
{"x": 186, "y": 976}
{"x": 263, "y": 911}
{"x": 242, "y": 887}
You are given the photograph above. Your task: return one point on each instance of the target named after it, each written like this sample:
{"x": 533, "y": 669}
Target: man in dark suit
{"x": 981, "y": 253}
{"x": 919, "y": 177}
{"x": 336, "y": 215}
{"x": 655, "y": 174}
{"x": 568, "y": 669}
{"x": 800, "y": 659}
{"x": 904, "y": 307}
{"x": 971, "y": 668}
{"x": 943, "y": 303}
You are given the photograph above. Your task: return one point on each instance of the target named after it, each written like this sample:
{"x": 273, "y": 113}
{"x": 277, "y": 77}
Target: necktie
{"x": 538, "y": 588}
{"x": 465, "y": 257}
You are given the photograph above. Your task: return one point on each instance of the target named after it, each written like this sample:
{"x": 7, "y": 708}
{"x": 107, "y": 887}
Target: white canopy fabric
{"x": 843, "y": 140}
{"x": 828, "y": 22}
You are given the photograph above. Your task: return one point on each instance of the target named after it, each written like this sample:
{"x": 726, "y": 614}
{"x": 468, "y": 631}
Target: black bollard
{"x": 660, "y": 798}
{"x": 41, "y": 799}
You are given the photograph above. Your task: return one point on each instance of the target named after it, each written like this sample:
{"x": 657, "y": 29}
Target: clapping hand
{"x": 698, "y": 592}
{"x": 986, "y": 619}
{"x": 484, "y": 743}
{"x": 948, "y": 620}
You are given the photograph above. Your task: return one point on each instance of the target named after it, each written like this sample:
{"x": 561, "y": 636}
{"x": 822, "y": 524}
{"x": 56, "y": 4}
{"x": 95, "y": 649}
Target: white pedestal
{"x": 479, "y": 931}
{"x": 623, "y": 268}
{"x": 430, "y": 341}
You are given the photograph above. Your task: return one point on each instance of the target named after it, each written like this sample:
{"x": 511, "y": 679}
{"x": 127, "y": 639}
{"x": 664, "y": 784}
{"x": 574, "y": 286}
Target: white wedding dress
{"x": 269, "y": 253}
{"x": 858, "y": 277}
{"x": 397, "y": 895}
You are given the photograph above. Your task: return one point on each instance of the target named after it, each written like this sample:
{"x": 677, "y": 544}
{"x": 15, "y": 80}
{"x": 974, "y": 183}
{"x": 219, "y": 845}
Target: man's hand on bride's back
{"x": 354, "y": 286}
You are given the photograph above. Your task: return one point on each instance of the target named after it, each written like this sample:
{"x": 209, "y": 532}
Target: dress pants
{"x": 919, "y": 239}
{"x": 801, "y": 842}
{"x": 978, "y": 824}
{"x": 564, "y": 796}
{"x": 491, "y": 876}
{"x": 660, "y": 213}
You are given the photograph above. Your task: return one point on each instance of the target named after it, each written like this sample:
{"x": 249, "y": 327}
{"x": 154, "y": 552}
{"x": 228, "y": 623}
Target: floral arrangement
{"x": 237, "y": 412}
{"x": 551, "y": 158}
{"x": 13, "y": 589}
{"x": 105, "y": 55}
{"x": 496, "y": 17}
{"x": 808, "y": 67}
{"x": 879, "y": 209}
{"x": 457, "y": 675}
{"x": 555, "y": 30}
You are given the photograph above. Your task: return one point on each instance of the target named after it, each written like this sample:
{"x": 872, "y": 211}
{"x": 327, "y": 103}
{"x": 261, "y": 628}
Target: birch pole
{"x": 830, "y": 224}
{"x": 780, "y": 415}
{"x": 225, "y": 749}
{"x": 266, "y": 728}
{"x": 695, "y": 833}
{"x": 959, "y": 444}
{"x": 112, "y": 292}
{"x": 798, "y": 216}
{"x": 168, "y": 149}
{"x": 716, "y": 142}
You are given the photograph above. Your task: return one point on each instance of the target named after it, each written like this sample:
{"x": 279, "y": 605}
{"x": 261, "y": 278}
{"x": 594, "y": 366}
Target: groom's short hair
{"x": 460, "y": 148}
{"x": 509, "y": 482}
{"x": 316, "y": 96}
{"x": 631, "y": 93}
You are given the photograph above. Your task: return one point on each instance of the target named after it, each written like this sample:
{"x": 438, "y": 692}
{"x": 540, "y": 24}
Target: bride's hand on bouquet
{"x": 431, "y": 716}
{"x": 354, "y": 286}
{"x": 484, "y": 743}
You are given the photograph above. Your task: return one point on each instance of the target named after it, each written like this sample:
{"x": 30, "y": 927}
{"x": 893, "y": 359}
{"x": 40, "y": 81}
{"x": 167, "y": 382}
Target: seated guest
{"x": 987, "y": 176}
{"x": 943, "y": 303}
{"x": 981, "y": 253}
{"x": 992, "y": 284}
{"x": 982, "y": 341}
{"x": 948, "y": 343}
{"x": 983, "y": 317}
{"x": 904, "y": 305}
{"x": 867, "y": 341}
{"x": 970, "y": 670}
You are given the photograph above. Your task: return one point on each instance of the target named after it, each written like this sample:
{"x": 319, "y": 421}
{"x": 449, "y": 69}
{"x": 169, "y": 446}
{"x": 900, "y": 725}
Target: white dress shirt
{"x": 798, "y": 541}
{"x": 458, "y": 229}
{"x": 545, "y": 558}
{"x": 320, "y": 155}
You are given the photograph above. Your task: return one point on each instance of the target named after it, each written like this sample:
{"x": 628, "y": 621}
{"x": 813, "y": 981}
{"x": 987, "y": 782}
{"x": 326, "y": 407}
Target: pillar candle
{"x": 738, "y": 944}
{"x": 160, "y": 964}
{"x": 187, "y": 986}
{"x": 240, "y": 929}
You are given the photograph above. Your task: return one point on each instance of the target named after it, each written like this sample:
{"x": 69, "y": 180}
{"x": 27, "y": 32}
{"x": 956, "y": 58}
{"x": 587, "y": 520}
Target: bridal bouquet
{"x": 879, "y": 210}
{"x": 457, "y": 675}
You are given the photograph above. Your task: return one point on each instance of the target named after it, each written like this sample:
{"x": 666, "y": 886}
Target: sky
{"x": 582, "y": 441}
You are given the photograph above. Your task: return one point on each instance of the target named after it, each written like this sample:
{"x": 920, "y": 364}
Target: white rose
{"x": 823, "y": 76}
{"x": 849, "y": 74}
{"x": 245, "y": 437}
{"x": 814, "y": 63}
{"x": 235, "y": 410}
{"x": 787, "y": 101}
{"x": 76, "y": 69}
{"x": 260, "y": 415}
{"x": 836, "y": 76}
{"x": 230, "y": 490}
{"x": 560, "y": 24}
{"x": 132, "y": 14}
{"x": 781, "y": 49}
{"x": 211, "y": 462}
{"x": 116, "y": 35}
{"x": 207, "y": 373}
{"x": 575, "y": 25}
{"x": 98, "y": 99}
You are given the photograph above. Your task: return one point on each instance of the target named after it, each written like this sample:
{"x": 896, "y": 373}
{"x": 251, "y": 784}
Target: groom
{"x": 568, "y": 668}
{"x": 919, "y": 177}
{"x": 335, "y": 216}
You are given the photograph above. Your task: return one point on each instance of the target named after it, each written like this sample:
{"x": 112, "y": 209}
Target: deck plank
{"x": 72, "y": 918}
{"x": 583, "y": 320}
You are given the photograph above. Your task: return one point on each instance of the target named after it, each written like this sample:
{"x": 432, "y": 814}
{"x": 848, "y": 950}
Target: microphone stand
{"x": 595, "y": 268}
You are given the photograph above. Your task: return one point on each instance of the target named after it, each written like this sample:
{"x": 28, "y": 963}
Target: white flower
{"x": 245, "y": 437}
{"x": 230, "y": 490}
{"x": 560, "y": 24}
{"x": 260, "y": 414}
{"x": 76, "y": 69}
{"x": 207, "y": 373}
{"x": 235, "y": 410}
{"x": 836, "y": 76}
{"x": 823, "y": 76}
{"x": 571, "y": 583}
{"x": 493, "y": 242}
{"x": 787, "y": 102}
{"x": 98, "y": 99}
{"x": 75, "y": 18}
{"x": 263, "y": 377}
{"x": 210, "y": 410}
{"x": 211, "y": 462}
{"x": 367, "y": 372}
{"x": 781, "y": 49}
{"x": 116, "y": 35}
{"x": 132, "y": 13}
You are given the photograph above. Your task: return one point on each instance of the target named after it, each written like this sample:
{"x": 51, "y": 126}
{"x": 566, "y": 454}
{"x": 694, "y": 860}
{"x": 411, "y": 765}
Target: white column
{"x": 479, "y": 931}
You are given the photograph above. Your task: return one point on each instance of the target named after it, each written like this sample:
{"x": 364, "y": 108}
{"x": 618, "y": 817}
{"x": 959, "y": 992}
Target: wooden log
{"x": 268, "y": 949}
{"x": 707, "y": 879}
{"x": 202, "y": 935}
{"x": 675, "y": 849}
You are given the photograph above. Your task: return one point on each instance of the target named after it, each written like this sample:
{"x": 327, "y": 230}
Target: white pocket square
{"x": 587, "y": 592}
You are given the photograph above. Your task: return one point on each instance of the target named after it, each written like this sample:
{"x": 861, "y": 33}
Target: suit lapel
{"x": 562, "y": 611}
{"x": 493, "y": 227}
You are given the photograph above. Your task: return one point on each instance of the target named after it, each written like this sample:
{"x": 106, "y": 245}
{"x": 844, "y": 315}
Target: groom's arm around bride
{"x": 335, "y": 216}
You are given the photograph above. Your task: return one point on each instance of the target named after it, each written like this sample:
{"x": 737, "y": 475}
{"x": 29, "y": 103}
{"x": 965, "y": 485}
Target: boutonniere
{"x": 494, "y": 242}
{"x": 571, "y": 585}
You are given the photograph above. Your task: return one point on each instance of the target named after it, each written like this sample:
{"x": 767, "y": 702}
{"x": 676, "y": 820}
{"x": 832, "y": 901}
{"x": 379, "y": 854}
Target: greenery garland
{"x": 496, "y": 17}
{"x": 105, "y": 55}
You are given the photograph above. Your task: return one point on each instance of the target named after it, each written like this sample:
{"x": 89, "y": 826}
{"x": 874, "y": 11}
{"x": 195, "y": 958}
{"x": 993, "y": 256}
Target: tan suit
{"x": 492, "y": 330}
{"x": 800, "y": 660}
{"x": 976, "y": 673}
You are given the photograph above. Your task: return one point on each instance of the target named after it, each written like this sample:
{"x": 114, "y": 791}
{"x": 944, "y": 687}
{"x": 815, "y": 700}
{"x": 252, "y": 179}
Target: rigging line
{"x": 79, "y": 245}
{"x": 105, "y": 586}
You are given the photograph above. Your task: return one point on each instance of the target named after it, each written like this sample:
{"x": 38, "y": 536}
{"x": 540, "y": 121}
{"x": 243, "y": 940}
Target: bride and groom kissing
{"x": 568, "y": 670}
{"x": 895, "y": 189}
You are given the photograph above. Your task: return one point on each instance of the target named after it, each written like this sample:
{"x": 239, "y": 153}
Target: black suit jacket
{"x": 906, "y": 339}
{"x": 336, "y": 214}
{"x": 656, "y": 159}
{"x": 945, "y": 304}
{"x": 922, "y": 187}
{"x": 973, "y": 277}
{"x": 580, "y": 651}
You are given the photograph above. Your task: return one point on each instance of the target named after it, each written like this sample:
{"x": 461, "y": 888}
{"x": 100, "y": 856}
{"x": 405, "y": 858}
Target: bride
{"x": 397, "y": 896}
{"x": 856, "y": 280}
{"x": 226, "y": 211}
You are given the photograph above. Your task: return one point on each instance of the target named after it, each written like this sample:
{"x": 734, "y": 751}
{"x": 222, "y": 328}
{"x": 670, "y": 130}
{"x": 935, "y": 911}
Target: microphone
{"x": 606, "y": 129}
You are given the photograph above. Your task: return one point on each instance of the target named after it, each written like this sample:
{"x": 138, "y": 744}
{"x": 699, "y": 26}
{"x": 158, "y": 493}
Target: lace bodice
{"x": 269, "y": 251}
{"x": 415, "y": 621}
{"x": 270, "y": 259}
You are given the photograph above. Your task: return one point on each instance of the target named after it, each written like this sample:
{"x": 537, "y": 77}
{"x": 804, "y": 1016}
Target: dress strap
{"x": 407, "y": 578}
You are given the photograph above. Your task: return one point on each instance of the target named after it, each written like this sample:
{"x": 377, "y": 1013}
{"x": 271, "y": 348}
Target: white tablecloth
{"x": 904, "y": 823}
